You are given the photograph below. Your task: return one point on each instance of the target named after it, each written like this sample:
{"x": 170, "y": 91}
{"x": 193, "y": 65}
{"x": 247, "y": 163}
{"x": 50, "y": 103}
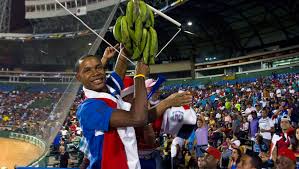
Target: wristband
{"x": 139, "y": 75}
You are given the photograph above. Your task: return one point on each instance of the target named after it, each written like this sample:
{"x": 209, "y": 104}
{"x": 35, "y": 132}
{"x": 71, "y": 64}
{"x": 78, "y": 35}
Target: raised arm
{"x": 108, "y": 54}
{"x": 121, "y": 63}
{"x": 138, "y": 115}
{"x": 174, "y": 100}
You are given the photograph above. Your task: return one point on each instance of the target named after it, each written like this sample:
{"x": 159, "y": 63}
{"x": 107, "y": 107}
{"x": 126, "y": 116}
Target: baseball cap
{"x": 236, "y": 143}
{"x": 214, "y": 152}
{"x": 285, "y": 118}
{"x": 287, "y": 153}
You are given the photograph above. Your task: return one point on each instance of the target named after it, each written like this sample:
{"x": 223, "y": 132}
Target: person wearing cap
{"x": 210, "y": 160}
{"x": 281, "y": 140}
{"x": 286, "y": 159}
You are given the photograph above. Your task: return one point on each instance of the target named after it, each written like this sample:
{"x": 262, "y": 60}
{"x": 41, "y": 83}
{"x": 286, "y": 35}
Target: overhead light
{"x": 189, "y": 23}
{"x": 89, "y": 44}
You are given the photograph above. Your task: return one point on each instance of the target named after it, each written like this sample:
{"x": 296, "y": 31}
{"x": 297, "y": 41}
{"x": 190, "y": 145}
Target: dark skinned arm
{"x": 121, "y": 63}
{"x": 138, "y": 115}
{"x": 174, "y": 100}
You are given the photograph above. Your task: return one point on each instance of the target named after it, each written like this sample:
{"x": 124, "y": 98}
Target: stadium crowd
{"x": 18, "y": 111}
{"x": 238, "y": 125}
{"x": 245, "y": 121}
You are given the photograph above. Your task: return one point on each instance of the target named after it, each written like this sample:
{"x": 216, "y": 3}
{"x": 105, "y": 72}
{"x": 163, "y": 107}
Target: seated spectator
{"x": 235, "y": 158}
{"x": 259, "y": 145}
{"x": 210, "y": 160}
{"x": 250, "y": 161}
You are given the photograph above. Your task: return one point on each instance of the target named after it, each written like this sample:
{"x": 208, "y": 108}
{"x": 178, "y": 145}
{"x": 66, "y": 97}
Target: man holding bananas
{"x": 98, "y": 113}
{"x": 176, "y": 99}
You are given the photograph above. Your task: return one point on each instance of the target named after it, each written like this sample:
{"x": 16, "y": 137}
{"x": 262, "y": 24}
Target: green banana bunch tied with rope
{"x": 136, "y": 31}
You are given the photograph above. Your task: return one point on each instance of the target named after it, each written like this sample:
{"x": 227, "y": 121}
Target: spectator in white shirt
{"x": 249, "y": 109}
{"x": 266, "y": 127}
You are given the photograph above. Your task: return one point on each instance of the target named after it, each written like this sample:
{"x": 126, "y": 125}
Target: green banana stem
{"x": 136, "y": 6}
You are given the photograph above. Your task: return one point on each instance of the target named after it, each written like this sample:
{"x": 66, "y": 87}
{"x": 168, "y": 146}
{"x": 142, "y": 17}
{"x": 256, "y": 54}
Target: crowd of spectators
{"x": 18, "y": 113}
{"x": 241, "y": 121}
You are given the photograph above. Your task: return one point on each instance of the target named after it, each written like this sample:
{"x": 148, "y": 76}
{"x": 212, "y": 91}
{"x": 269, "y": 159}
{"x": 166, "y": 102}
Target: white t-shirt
{"x": 218, "y": 116}
{"x": 175, "y": 117}
{"x": 292, "y": 91}
{"x": 278, "y": 93}
{"x": 266, "y": 124}
{"x": 271, "y": 94}
{"x": 245, "y": 126}
{"x": 64, "y": 132}
{"x": 249, "y": 110}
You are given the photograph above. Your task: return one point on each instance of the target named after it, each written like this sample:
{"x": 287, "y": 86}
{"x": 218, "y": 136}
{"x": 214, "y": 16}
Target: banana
{"x": 152, "y": 17}
{"x": 128, "y": 46}
{"x": 146, "y": 53}
{"x": 154, "y": 42}
{"x": 124, "y": 30}
{"x": 136, "y": 54}
{"x": 138, "y": 30}
{"x": 143, "y": 39}
{"x": 144, "y": 14}
{"x": 132, "y": 34}
{"x": 129, "y": 13}
{"x": 136, "y": 10}
{"x": 148, "y": 21}
{"x": 117, "y": 30}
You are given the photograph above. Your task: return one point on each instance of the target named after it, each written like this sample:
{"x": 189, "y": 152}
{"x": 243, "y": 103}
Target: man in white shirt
{"x": 64, "y": 132}
{"x": 249, "y": 110}
{"x": 266, "y": 127}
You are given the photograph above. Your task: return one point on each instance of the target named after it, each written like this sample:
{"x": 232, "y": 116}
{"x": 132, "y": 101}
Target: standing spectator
{"x": 64, "y": 157}
{"x": 56, "y": 145}
{"x": 249, "y": 109}
{"x": 244, "y": 128}
{"x": 266, "y": 127}
{"x": 64, "y": 132}
{"x": 281, "y": 140}
{"x": 201, "y": 136}
{"x": 236, "y": 125}
{"x": 253, "y": 125}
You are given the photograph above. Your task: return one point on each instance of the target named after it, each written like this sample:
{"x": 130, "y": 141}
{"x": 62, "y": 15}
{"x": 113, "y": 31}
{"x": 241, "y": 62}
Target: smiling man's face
{"x": 92, "y": 74}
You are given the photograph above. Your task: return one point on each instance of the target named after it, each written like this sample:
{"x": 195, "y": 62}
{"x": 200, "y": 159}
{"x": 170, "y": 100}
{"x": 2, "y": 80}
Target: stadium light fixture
{"x": 89, "y": 44}
{"x": 189, "y": 23}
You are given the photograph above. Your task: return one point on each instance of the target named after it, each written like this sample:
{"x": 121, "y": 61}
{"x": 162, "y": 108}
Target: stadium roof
{"x": 220, "y": 29}
{"x": 230, "y": 28}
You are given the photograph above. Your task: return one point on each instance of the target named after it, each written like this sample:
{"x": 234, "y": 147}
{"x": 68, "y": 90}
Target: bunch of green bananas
{"x": 136, "y": 31}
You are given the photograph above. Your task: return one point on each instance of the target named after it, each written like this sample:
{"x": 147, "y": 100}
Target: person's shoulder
{"x": 92, "y": 101}
{"x": 90, "y": 104}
